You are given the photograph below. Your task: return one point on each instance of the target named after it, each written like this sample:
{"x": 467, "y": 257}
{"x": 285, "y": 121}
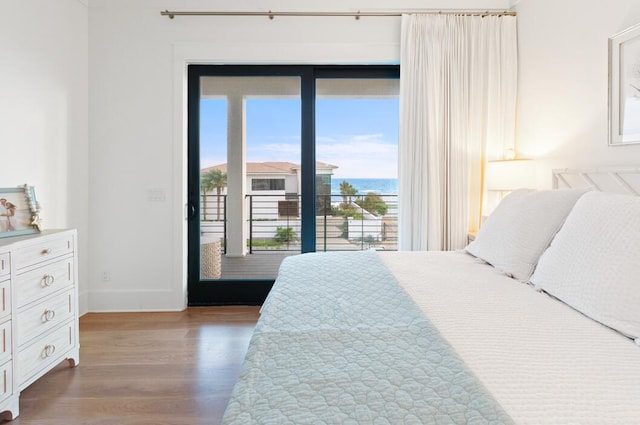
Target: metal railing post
{"x": 361, "y": 228}
{"x": 224, "y": 222}
{"x": 286, "y": 232}
{"x": 324, "y": 209}
{"x": 250, "y": 224}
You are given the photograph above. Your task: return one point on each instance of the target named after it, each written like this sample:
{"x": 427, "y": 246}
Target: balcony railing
{"x": 342, "y": 223}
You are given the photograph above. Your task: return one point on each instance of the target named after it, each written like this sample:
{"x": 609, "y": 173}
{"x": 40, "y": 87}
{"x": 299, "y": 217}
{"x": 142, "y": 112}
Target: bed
{"x": 535, "y": 322}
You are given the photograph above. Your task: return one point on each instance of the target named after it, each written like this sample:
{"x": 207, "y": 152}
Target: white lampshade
{"x": 508, "y": 175}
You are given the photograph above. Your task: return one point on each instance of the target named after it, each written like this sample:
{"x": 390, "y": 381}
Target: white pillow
{"x": 521, "y": 228}
{"x": 593, "y": 264}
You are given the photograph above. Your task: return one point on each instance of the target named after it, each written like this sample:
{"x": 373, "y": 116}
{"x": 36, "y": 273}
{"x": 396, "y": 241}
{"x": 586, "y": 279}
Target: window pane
{"x": 357, "y": 133}
{"x": 267, "y": 184}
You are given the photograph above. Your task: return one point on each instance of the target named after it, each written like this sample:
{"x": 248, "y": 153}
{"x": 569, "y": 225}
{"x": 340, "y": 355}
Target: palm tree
{"x": 347, "y": 191}
{"x": 212, "y": 179}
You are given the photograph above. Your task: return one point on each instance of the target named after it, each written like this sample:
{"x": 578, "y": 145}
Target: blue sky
{"x": 360, "y": 136}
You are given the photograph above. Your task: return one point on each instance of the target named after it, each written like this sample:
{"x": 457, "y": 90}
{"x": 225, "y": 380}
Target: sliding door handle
{"x": 190, "y": 211}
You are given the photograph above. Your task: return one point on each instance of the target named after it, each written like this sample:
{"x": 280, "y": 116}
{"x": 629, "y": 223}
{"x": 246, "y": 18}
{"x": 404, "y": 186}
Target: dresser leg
{"x": 74, "y": 357}
{"x": 13, "y": 410}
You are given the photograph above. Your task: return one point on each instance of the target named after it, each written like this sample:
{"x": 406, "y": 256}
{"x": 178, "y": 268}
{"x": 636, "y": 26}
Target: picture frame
{"x": 624, "y": 87}
{"x": 19, "y": 211}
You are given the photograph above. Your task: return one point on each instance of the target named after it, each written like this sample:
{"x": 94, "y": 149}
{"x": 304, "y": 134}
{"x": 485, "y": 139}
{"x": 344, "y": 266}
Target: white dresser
{"x": 38, "y": 310}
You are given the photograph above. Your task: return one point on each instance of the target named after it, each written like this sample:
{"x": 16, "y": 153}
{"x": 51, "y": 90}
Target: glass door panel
{"x": 357, "y": 151}
{"x": 249, "y": 175}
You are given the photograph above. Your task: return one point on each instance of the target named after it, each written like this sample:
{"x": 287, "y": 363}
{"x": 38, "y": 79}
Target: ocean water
{"x": 364, "y": 186}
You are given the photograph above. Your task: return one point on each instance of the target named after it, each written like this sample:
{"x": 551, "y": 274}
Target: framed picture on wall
{"x": 19, "y": 212}
{"x": 624, "y": 87}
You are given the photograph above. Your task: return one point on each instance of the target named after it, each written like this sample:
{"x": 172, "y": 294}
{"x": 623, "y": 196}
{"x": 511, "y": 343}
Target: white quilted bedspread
{"x": 542, "y": 361}
{"x": 339, "y": 342}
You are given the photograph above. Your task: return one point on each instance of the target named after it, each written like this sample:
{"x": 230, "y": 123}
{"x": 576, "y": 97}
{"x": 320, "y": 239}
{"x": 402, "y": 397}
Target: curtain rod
{"x": 356, "y": 15}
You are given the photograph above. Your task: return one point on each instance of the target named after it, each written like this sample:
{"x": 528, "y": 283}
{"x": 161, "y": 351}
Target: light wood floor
{"x": 144, "y": 369}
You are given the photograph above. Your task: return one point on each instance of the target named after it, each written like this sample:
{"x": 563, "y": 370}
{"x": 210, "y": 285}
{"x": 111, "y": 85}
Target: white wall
{"x": 43, "y": 112}
{"x": 137, "y": 66}
{"x": 563, "y": 83}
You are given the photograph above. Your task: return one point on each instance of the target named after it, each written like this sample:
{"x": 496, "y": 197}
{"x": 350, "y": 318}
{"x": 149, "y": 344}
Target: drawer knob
{"x": 48, "y": 315}
{"x": 47, "y": 280}
{"x": 46, "y": 251}
{"x": 48, "y": 351}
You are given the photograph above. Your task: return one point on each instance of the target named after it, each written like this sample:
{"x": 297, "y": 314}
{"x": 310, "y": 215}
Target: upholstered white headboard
{"x": 617, "y": 180}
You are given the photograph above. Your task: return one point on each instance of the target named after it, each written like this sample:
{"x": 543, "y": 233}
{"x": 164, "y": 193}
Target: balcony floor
{"x": 265, "y": 264}
{"x": 259, "y": 265}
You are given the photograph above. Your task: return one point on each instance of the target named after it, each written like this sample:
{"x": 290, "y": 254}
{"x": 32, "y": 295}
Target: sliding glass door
{"x": 257, "y": 194}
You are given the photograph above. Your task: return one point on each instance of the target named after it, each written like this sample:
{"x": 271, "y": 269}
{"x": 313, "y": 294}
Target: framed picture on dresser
{"x": 19, "y": 211}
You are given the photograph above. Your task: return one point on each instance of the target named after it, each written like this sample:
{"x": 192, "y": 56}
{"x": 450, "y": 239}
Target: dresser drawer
{"x": 5, "y": 298}
{"x": 36, "y": 253}
{"x": 5, "y": 264}
{"x": 44, "y": 316}
{"x": 43, "y": 281}
{"x": 5, "y": 341}
{"x": 6, "y": 380}
{"x": 47, "y": 350}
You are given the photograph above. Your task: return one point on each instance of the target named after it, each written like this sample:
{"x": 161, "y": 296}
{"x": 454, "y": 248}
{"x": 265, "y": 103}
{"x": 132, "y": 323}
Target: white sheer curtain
{"x": 457, "y": 102}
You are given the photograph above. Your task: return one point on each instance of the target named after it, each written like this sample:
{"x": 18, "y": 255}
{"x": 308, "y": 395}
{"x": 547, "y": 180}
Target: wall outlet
{"x": 106, "y": 276}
